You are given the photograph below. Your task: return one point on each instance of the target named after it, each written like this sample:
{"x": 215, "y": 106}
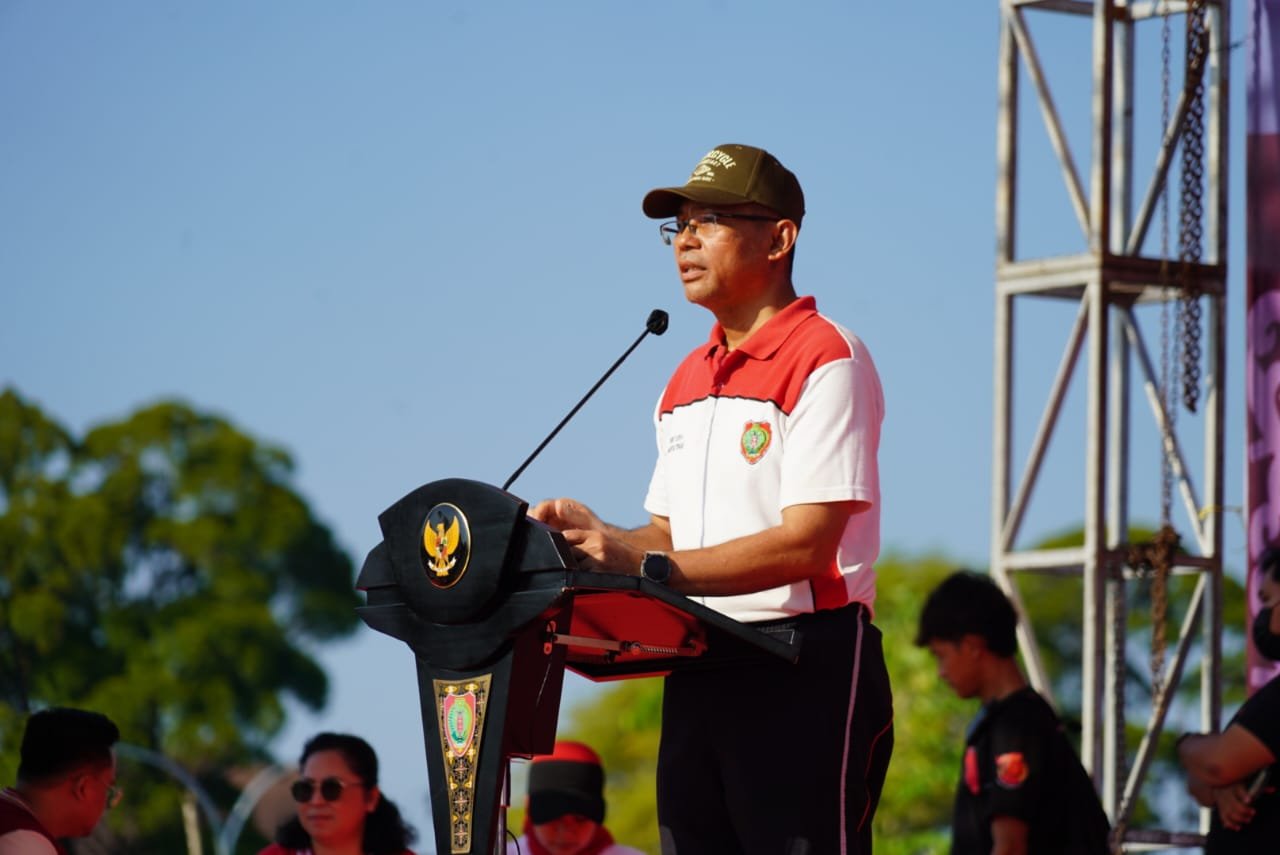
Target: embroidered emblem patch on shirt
{"x": 971, "y": 770}
{"x": 1011, "y": 770}
{"x": 756, "y": 437}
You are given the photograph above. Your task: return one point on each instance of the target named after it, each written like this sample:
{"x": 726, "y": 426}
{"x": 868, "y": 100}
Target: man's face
{"x": 958, "y": 664}
{"x": 727, "y": 264}
{"x": 567, "y": 835}
{"x": 94, "y": 791}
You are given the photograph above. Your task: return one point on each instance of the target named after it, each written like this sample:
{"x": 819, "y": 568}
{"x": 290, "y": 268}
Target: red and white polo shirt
{"x": 792, "y": 416}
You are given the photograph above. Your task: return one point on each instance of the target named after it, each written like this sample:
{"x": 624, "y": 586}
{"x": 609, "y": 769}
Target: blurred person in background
{"x": 566, "y": 806}
{"x": 1022, "y": 789}
{"x": 1235, "y": 772}
{"x": 341, "y": 811}
{"x": 66, "y": 781}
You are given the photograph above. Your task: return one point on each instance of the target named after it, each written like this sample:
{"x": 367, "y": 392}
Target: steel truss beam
{"x": 1106, "y": 280}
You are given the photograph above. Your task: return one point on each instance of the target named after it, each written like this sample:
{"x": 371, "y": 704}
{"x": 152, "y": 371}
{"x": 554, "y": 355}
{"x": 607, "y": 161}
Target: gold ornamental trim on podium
{"x": 460, "y": 712}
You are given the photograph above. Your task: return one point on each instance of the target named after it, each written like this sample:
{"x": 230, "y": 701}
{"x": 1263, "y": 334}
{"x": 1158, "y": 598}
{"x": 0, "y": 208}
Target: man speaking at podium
{"x": 765, "y": 503}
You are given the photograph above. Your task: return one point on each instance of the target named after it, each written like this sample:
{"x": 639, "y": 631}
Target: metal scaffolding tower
{"x": 1108, "y": 280}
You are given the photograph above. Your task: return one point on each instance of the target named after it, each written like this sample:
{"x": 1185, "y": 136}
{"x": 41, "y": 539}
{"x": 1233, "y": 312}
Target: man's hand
{"x": 565, "y": 514}
{"x": 601, "y": 553}
{"x": 597, "y": 545}
{"x": 803, "y": 546}
{"x": 1233, "y": 806}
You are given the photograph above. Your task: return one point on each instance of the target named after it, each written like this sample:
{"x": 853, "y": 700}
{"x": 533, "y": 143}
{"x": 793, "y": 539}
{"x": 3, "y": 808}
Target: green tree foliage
{"x": 914, "y": 817}
{"x": 162, "y": 570}
{"x": 623, "y": 726}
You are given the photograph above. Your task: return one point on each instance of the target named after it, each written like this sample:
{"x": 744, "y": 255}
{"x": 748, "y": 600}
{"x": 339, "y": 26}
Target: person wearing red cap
{"x": 565, "y": 808}
{"x": 764, "y": 504}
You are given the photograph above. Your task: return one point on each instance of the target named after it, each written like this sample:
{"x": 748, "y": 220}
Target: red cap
{"x": 569, "y": 780}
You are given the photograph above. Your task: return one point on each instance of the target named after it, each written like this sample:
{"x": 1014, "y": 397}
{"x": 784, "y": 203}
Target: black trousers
{"x": 771, "y": 758}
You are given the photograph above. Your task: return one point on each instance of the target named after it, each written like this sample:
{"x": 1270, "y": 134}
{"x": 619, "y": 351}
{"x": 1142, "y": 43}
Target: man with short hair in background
{"x": 1022, "y": 789}
{"x": 66, "y": 780}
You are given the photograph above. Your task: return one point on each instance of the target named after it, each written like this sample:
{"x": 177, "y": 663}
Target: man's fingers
{"x": 597, "y": 551}
{"x": 584, "y": 548}
{"x": 564, "y": 514}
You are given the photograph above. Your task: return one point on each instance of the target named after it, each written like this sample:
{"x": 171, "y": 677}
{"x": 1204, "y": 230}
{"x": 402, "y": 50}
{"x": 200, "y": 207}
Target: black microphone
{"x": 656, "y": 324}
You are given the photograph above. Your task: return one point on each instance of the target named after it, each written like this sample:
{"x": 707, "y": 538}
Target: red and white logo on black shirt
{"x": 1011, "y": 770}
{"x": 971, "y": 779}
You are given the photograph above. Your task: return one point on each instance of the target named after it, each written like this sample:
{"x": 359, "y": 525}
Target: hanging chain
{"x": 1183, "y": 374}
{"x": 1154, "y": 558}
{"x": 1190, "y": 232}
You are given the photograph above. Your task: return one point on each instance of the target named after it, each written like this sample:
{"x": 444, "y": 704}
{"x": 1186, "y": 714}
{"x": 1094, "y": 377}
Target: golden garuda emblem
{"x": 446, "y": 545}
{"x": 440, "y": 544}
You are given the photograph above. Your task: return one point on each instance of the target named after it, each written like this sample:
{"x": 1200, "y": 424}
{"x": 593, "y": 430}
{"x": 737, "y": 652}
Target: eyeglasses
{"x": 672, "y": 228}
{"x": 330, "y": 789}
{"x": 111, "y": 793}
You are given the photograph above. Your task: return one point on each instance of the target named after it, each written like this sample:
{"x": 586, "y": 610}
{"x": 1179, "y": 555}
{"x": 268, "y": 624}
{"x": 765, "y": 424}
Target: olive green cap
{"x": 733, "y": 175}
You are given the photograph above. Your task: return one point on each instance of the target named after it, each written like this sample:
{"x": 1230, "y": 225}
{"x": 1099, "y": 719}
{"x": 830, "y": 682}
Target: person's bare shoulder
{"x": 25, "y": 843}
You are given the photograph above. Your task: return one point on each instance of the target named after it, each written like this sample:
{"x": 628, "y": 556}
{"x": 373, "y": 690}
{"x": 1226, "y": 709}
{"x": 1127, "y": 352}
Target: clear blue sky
{"x": 401, "y": 239}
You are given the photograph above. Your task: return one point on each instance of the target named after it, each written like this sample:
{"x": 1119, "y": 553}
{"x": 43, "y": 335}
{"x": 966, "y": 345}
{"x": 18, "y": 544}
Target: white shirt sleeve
{"x": 833, "y": 434}
{"x": 25, "y": 843}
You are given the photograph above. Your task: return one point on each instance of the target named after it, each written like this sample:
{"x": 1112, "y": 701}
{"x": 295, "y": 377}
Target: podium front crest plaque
{"x": 461, "y": 708}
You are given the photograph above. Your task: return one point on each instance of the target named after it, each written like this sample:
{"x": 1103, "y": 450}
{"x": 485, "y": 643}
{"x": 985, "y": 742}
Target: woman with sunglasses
{"x": 341, "y": 811}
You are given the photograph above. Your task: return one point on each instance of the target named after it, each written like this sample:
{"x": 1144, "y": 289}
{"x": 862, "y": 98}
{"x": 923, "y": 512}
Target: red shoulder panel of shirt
{"x": 776, "y": 374}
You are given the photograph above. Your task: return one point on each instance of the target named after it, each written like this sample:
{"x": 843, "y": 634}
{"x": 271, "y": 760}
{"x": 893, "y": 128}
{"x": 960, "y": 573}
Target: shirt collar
{"x": 765, "y": 341}
{"x": 10, "y": 794}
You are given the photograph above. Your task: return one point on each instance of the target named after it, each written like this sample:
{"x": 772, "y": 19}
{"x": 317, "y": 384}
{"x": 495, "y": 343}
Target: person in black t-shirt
{"x": 1235, "y": 772}
{"x": 1022, "y": 788}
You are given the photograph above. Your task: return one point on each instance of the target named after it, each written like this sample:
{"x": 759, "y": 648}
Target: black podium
{"x": 493, "y": 609}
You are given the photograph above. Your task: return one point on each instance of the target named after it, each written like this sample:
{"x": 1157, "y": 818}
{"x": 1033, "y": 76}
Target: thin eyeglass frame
{"x": 708, "y": 219}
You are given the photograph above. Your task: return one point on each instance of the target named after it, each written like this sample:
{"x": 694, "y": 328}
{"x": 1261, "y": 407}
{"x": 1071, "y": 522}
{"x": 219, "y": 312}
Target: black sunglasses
{"x": 330, "y": 789}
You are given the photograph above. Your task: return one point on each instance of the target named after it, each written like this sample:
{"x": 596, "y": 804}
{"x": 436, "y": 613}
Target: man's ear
{"x": 785, "y": 233}
{"x": 973, "y": 645}
{"x": 79, "y": 787}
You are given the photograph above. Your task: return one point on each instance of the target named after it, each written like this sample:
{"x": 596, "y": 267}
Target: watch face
{"x": 655, "y": 567}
